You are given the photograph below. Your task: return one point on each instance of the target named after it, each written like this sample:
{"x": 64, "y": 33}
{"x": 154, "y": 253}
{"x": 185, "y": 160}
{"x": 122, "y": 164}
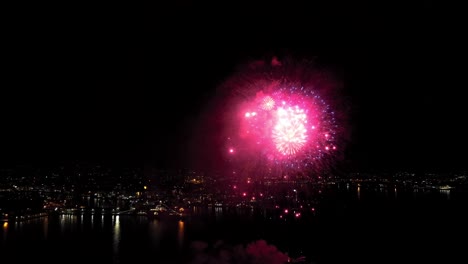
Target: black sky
{"x": 126, "y": 84}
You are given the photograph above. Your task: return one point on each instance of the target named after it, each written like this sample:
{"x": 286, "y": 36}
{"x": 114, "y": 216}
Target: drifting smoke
{"x": 257, "y": 252}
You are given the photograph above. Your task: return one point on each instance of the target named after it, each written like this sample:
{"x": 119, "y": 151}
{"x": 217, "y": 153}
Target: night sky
{"x": 128, "y": 85}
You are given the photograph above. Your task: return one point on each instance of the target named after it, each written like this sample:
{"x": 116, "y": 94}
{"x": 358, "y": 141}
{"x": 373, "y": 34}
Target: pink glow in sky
{"x": 277, "y": 118}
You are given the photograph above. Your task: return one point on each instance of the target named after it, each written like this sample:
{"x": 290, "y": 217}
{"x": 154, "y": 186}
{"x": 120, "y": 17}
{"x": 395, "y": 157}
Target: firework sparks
{"x": 267, "y": 103}
{"x": 278, "y": 122}
{"x": 290, "y": 134}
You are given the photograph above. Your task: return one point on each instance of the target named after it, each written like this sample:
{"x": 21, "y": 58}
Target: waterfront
{"x": 356, "y": 224}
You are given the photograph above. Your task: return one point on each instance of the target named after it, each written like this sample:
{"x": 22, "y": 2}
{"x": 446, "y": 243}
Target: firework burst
{"x": 277, "y": 121}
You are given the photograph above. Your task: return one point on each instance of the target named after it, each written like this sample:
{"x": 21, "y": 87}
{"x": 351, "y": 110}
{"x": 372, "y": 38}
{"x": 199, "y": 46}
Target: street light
{"x": 296, "y": 193}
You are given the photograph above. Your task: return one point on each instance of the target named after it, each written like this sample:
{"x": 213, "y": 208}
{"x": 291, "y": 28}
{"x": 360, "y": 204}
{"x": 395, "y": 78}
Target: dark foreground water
{"x": 348, "y": 226}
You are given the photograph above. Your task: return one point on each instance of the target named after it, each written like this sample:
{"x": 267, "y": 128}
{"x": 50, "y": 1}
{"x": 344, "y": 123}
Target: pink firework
{"x": 278, "y": 119}
{"x": 289, "y": 129}
{"x": 290, "y": 133}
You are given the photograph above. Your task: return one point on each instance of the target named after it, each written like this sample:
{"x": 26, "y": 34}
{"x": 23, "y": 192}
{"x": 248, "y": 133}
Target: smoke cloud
{"x": 257, "y": 252}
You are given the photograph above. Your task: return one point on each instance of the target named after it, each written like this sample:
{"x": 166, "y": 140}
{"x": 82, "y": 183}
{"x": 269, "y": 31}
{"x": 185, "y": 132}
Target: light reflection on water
{"x": 155, "y": 232}
{"x": 124, "y": 239}
{"x": 45, "y": 226}
{"x": 5, "y": 231}
{"x": 116, "y": 236}
{"x": 218, "y": 212}
{"x": 68, "y": 223}
{"x": 180, "y": 233}
{"x": 446, "y": 193}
